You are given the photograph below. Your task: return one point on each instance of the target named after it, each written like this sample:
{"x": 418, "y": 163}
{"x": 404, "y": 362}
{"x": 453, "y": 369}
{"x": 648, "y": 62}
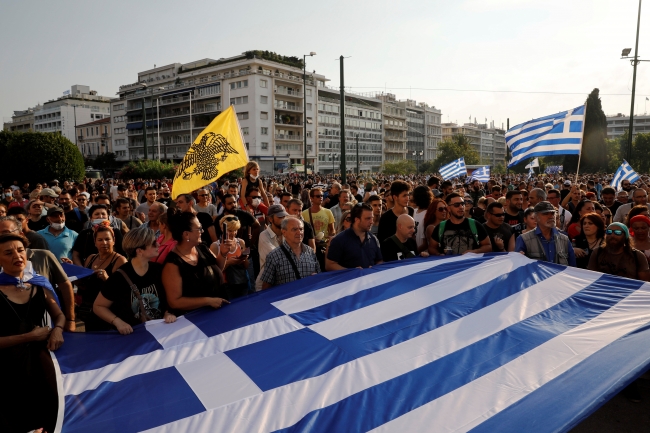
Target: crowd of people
{"x": 154, "y": 257}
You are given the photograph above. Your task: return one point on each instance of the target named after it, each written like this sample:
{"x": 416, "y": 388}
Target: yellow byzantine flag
{"x": 216, "y": 151}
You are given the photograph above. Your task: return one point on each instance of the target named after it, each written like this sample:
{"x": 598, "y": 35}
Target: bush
{"x": 35, "y": 157}
{"x": 148, "y": 169}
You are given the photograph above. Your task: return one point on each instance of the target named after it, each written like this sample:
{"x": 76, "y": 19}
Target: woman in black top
{"x": 119, "y": 304}
{"x": 28, "y": 377}
{"x": 592, "y": 234}
{"x": 192, "y": 275}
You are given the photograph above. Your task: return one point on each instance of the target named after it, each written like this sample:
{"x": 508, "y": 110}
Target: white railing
{"x": 288, "y": 137}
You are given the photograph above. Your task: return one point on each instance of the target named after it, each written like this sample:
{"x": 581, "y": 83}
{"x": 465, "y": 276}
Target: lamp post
{"x": 417, "y": 154}
{"x": 304, "y": 104}
{"x": 635, "y": 61}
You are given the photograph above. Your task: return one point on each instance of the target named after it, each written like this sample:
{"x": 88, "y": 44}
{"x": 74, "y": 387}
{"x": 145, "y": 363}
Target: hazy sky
{"x": 413, "y": 49}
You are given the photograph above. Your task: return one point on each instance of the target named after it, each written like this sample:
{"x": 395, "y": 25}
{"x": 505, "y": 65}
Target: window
{"x": 264, "y": 131}
{"x": 308, "y": 92}
{"x": 97, "y": 130}
{"x": 238, "y": 84}
{"x": 309, "y": 106}
{"x": 239, "y": 100}
{"x": 263, "y": 83}
{"x": 265, "y": 146}
{"x": 118, "y": 107}
{"x": 247, "y": 147}
{"x": 264, "y": 99}
{"x": 244, "y": 131}
{"x": 210, "y": 90}
{"x": 243, "y": 115}
{"x": 264, "y": 115}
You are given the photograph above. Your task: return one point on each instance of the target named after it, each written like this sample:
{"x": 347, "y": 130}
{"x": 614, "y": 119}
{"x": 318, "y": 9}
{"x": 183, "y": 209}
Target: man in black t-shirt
{"x": 458, "y": 236}
{"x": 399, "y": 191}
{"x": 245, "y": 218}
{"x": 514, "y": 215}
{"x": 185, "y": 203}
{"x": 500, "y": 233}
{"x": 401, "y": 245}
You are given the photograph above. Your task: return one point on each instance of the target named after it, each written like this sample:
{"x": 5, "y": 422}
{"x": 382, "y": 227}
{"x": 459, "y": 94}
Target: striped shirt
{"x": 278, "y": 269}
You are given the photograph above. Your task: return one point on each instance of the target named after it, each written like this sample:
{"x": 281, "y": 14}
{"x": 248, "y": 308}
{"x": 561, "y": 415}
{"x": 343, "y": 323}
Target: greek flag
{"x": 624, "y": 172}
{"x": 66, "y": 92}
{"x": 554, "y": 169}
{"x": 558, "y": 134}
{"x": 453, "y": 169}
{"x": 531, "y": 173}
{"x": 534, "y": 163}
{"x": 487, "y": 343}
{"x": 482, "y": 174}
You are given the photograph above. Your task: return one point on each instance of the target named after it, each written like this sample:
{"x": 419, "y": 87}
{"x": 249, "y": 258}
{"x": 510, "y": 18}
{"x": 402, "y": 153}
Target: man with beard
{"x": 476, "y": 191}
{"x": 499, "y": 232}
{"x": 608, "y": 198}
{"x": 245, "y": 218}
{"x": 617, "y": 257}
{"x": 545, "y": 242}
{"x": 639, "y": 197}
{"x": 355, "y": 247}
{"x": 73, "y": 217}
{"x": 514, "y": 215}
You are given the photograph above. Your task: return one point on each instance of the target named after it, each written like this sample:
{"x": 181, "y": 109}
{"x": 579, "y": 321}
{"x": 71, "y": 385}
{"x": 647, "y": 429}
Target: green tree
{"x": 402, "y": 166}
{"x": 594, "y": 147}
{"x": 148, "y": 169}
{"x": 640, "y": 152}
{"x": 453, "y": 148}
{"x": 614, "y": 158}
{"x": 35, "y": 156}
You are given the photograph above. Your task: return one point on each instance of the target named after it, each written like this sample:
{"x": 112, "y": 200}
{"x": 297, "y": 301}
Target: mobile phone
{"x": 224, "y": 233}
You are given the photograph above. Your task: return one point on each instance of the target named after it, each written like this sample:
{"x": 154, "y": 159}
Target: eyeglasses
{"x": 459, "y": 204}
{"x": 200, "y": 230}
{"x": 232, "y": 218}
{"x": 616, "y": 232}
{"x": 499, "y": 215}
{"x": 442, "y": 209}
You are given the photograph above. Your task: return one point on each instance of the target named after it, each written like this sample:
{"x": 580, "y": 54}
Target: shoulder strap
{"x": 78, "y": 213}
{"x": 406, "y": 253}
{"x": 293, "y": 264}
{"x": 472, "y": 227}
{"x": 143, "y": 312}
{"x": 441, "y": 231}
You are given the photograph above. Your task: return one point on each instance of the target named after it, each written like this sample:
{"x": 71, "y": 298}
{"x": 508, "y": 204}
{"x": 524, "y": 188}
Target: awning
{"x": 174, "y": 92}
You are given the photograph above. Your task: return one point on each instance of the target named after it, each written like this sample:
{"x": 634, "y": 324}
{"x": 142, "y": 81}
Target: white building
{"x": 618, "y": 124}
{"x": 118, "y": 129}
{"x": 488, "y": 141}
{"x": 424, "y": 130}
{"x": 61, "y": 115}
{"x": 180, "y": 100}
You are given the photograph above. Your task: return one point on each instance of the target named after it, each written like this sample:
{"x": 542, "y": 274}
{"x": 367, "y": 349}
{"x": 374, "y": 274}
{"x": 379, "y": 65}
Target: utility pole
{"x": 343, "y": 168}
{"x": 634, "y": 63}
{"x": 357, "y": 137}
{"x": 144, "y": 125}
{"x": 507, "y": 148}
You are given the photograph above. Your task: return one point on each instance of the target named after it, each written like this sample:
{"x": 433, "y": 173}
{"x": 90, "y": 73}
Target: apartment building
{"x": 94, "y": 138}
{"x": 394, "y": 127}
{"x": 176, "y": 102}
{"x": 424, "y": 130}
{"x": 488, "y": 141}
{"x": 21, "y": 121}
{"x": 363, "y": 121}
{"x": 619, "y": 123}
{"x": 118, "y": 129}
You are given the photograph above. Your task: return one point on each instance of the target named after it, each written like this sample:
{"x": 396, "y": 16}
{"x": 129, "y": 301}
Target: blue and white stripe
{"x": 557, "y": 134}
{"x": 481, "y": 174}
{"x": 453, "y": 169}
{"x": 624, "y": 172}
{"x": 534, "y": 163}
{"x": 462, "y": 343}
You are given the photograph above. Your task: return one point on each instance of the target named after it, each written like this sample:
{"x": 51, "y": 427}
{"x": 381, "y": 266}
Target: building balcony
{"x": 295, "y": 108}
{"x": 288, "y": 137}
{"x": 289, "y": 92}
{"x": 291, "y": 123}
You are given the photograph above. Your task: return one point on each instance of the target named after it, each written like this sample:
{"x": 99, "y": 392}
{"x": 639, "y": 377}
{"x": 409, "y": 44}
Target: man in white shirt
{"x": 553, "y": 197}
{"x": 270, "y": 238}
{"x": 204, "y": 205}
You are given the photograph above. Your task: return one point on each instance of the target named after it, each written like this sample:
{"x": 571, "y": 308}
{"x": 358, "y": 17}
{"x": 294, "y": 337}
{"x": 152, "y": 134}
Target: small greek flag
{"x": 453, "y": 169}
{"x": 482, "y": 174}
{"x": 624, "y": 172}
{"x": 557, "y": 134}
{"x": 554, "y": 169}
{"x": 535, "y": 163}
{"x": 531, "y": 173}
{"x": 66, "y": 92}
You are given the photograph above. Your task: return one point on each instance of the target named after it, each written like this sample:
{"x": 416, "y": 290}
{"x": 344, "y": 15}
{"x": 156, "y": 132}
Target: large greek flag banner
{"x": 453, "y": 169}
{"x": 558, "y": 134}
{"x": 481, "y": 343}
{"x": 624, "y": 172}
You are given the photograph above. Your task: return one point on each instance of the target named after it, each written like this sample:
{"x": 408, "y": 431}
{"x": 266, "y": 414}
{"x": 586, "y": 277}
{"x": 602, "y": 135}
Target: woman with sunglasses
{"x": 134, "y": 294}
{"x": 617, "y": 257}
{"x": 436, "y": 213}
{"x": 592, "y": 234}
{"x": 192, "y": 275}
{"x": 235, "y": 269}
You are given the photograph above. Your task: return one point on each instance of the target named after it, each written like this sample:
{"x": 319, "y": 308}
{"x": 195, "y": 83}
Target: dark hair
{"x": 14, "y": 237}
{"x": 251, "y": 190}
{"x": 554, "y": 191}
{"x": 398, "y": 187}
{"x": 446, "y": 184}
{"x": 122, "y": 187}
{"x": 496, "y": 188}
{"x": 94, "y": 207}
{"x": 225, "y": 196}
{"x": 120, "y": 201}
{"x": 17, "y": 210}
{"x": 452, "y": 195}
{"x": 528, "y": 211}
{"x": 357, "y": 211}
{"x": 179, "y": 223}
{"x": 422, "y": 196}
{"x": 493, "y": 205}
{"x": 598, "y": 222}
{"x": 284, "y": 194}
{"x": 150, "y": 188}
{"x": 188, "y": 197}
{"x": 102, "y": 197}
{"x": 509, "y": 194}
{"x": 576, "y": 214}
{"x": 433, "y": 181}
{"x": 295, "y": 201}
{"x": 372, "y": 198}
{"x": 313, "y": 191}
{"x": 608, "y": 190}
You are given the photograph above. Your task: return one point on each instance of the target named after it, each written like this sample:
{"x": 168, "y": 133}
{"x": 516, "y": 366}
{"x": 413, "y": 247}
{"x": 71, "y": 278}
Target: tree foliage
{"x": 452, "y": 149}
{"x": 36, "y": 157}
{"x": 403, "y": 166}
{"x": 594, "y": 147}
{"x": 640, "y": 160}
{"x": 103, "y": 161}
{"x": 148, "y": 169}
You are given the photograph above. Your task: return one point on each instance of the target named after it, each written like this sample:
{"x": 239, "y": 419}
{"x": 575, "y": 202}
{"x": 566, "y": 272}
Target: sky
{"x": 483, "y": 59}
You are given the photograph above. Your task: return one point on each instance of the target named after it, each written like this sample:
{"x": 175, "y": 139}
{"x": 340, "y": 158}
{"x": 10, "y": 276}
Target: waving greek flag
{"x": 554, "y": 169}
{"x": 487, "y": 343}
{"x": 624, "y": 172}
{"x": 453, "y": 169}
{"x": 533, "y": 163}
{"x": 531, "y": 173}
{"x": 558, "y": 134}
{"x": 482, "y": 174}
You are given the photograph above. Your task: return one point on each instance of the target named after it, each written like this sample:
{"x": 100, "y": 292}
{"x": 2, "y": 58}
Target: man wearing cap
{"x": 545, "y": 242}
{"x": 47, "y": 196}
{"x": 270, "y": 238}
{"x": 59, "y": 238}
{"x": 617, "y": 257}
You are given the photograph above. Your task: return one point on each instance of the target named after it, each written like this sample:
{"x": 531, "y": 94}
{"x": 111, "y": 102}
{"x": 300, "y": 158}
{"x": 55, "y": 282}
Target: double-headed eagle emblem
{"x": 207, "y": 154}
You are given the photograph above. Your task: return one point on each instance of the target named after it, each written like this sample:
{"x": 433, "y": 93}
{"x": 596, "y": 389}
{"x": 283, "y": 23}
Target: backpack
{"x": 472, "y": 227}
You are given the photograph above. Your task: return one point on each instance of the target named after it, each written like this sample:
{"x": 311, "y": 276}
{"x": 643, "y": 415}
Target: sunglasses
{"x": 616, "y": 232}
{"x": 499, "y": 215}
{"x": 348, "y": 219}
{"x": 203, "y": 195}
{"x": 459, "y": 204}
{"x": 317, "y": 196}
{"x": 442, "y": 209}
{"x": 232, "y": 218}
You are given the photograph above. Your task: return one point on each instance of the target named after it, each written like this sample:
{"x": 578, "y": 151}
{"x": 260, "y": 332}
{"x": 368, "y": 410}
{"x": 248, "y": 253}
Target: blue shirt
{"x": 548, "y": 246}
{"x": 347, "y": 250}
{"x": 61, "y": 245}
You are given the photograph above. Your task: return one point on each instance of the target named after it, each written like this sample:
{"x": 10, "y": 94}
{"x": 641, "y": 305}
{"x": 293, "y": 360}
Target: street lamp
{"x": 635, "y": 61}
{"x": 333, "y": 156}
{"x": 304, "y": 104}
{"x": 417, "y": 154}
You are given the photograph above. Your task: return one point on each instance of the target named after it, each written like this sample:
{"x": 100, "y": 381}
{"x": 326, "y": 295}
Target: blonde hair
{"x": 232, "y": 225}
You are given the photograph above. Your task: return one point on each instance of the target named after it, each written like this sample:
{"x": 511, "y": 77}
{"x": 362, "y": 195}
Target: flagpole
{"x": 582, "y": 143}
